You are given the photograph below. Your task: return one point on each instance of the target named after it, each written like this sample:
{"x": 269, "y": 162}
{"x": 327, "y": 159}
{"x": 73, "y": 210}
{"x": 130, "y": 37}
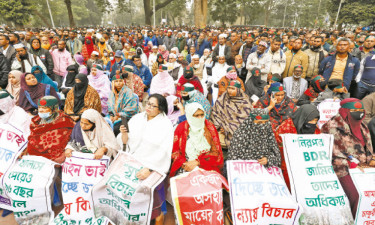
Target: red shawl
{"x": 194, "y": 81}
{"x": 49, "y": 140}
{"x": 212, "y": 160}
{"x": 88, "y": 49}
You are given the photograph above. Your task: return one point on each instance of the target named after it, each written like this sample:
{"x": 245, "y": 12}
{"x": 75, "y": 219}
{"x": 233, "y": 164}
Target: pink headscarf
{"x": 162, "y": 84}
{"x": 102, "y": 85}
{"x": 172, "y": 115}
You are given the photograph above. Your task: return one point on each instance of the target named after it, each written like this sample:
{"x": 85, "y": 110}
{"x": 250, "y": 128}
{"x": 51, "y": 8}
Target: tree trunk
{"x": 68, "y": 4}
{"x": 149, "y": 10}
{"x": 267, "y": 12}
{"x": 200, "y": 13}
{"x": 43, "y": 18}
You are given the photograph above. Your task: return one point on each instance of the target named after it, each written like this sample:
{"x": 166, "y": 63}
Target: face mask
{"x": 102, "y": 42}
{"x": 105, "y": 54}
{"x": 186, "y": 98}
{"x": 308, "y": 128}
{"x": 111, "y": 58}
{"x": 357, "y": 115}
{"x": 88, "y": 42}
{"x": 188, "y": 75}
{"x": 231, "y": 75}
{"x": 44, "y": 115}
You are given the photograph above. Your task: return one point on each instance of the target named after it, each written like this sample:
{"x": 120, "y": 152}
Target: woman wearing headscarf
{"x": 88, "y": 48}
{"x": 254, "y": 140}
{"x": 14, "y": 84}
{"x": 162, "y": 83}
{"x": 133, "y": 81}
{"x": 139, "y": 51}
{"x": 105, "y": 58}
{"x": 229, "y": 111}
{"x": 100, "y": 82}
{"x": 174, "y": 111}
{"x": 50, "y": 131}
{"x": 78, "y": 58}
{"x": 196, "y": 143}
{"x": 150, "y": 141}
{"x": 352, "y": 146}
{"x": 69, "y": 79}
{"x": 163, "y": 51}
{"x": 225, "y": 80}
{"x": 335, "y": 89}
{"x": 32, "y": 91}
{"x": 159, "y": 61}
{"x": 317, "y": 85}
{"x": 302, "y": 121}
{"x": 190, "y": 95}
{"x": 279, "y": 105}
{"x": 81, "y": 97}
{"x": 122, "y": 102}
{"x": 188, "y": 77}
{"x": 39, "y": 74}
{"x": 92, "y": 135}
{"x": 111, "y": 61}
{"x": 255, "y": 85}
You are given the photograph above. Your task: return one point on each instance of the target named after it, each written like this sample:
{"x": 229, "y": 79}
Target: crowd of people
{"x": 181, "y": 98}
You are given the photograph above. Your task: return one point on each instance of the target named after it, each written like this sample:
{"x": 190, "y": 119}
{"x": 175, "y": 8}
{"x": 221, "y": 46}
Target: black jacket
{"x": 45, "y": 56}
{"x": 227, "y": 53}
{"x": 10, "y": 55}
{"x": 4, "y": 71}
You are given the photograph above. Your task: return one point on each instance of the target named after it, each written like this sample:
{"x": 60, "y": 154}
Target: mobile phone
{"x": 124, "y": 121}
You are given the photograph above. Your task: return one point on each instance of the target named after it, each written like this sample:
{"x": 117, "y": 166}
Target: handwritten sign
{"x": 328, "y": 109}
{"x": 28, "y": 184}
{"x": 13, "y": 142}
{"x": 198, "y": 197}
{"x": 259, "y": 195}
{"x": 79, "y": 174}
{"x": 365, "y": 184}
{"x": 313, "y": 181}
{"x": 121, "y": 196}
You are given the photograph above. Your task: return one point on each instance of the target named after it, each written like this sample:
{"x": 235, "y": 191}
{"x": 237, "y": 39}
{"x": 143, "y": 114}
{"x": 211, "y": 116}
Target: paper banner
{"x": 328, "y": 109}
{"x": 13, "y": 142}
{"x": 313, "y": 181}
{"x": 198, "y": 197}
{"x": 121, "y": 196}
{"x": 28, "y": 184}
{"x": 259, "y": 195}
{"x": 365, "y": 184}
{"x": 79, "y": 174}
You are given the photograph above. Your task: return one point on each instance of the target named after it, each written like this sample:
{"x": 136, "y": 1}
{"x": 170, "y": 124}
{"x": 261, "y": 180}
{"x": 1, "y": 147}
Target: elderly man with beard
{"x": 197, "y": 66}
{"x": 221, "y": 49}
{"x": 174, "y": 68}
{"x": 295, "y": 86}
{"x": 24, "y": 61}
{"x": 43, "y": 54}
{"x": 201, "y": 44}
{"x": 259, "y": 59}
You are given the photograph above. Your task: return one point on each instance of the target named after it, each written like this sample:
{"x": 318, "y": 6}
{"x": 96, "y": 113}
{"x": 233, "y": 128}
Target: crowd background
{"x": 182, "y": 97}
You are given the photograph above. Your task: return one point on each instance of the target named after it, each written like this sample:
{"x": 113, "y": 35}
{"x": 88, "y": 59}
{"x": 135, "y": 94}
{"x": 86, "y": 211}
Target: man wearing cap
{"x": 24, "y": 60}
{"x": 152, "y": 57}
{"x": 12, "y": 114}
{"x": 296, "y": 57}
{"x": 61, "y": 60}
{"x": 221, "y": 49}
{"x": 119, "y": 59}
{"x": 198, "y": 66}
{"x": 180, "y": 42}
{"x": 295, "y": 86}
{"x": 174, "y": 68}
{"x": 94, "y": 59}
{"x": 259, "y": 59}
{"x": 169, "y": 41}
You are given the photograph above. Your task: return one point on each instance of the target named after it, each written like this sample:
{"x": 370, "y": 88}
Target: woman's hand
{"x": 99, "y": 153}
{"x": 68, "y": 152}
{"x": 263, "y": 161}
{"x": 272, "y": 103}
{"x": 124, "y": 133}
{"x": 190, "y": 165}
{"x": 143, "y": 173}
{"x": 22, "y": 154}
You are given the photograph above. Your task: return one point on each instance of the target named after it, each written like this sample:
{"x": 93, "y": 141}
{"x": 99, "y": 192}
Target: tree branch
{"x": 162, "y": 4}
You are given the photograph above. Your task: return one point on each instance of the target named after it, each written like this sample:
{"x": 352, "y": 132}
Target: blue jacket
{"x": 351, "y": 69}
{"x": 205, "y": 44}
{"x": 144, "y": 73}
{"x": 115, "y": 67}
{"x": 154, "y": 41}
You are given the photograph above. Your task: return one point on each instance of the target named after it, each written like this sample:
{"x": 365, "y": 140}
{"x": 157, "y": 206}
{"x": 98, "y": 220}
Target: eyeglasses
{"x": 148, "y": 104}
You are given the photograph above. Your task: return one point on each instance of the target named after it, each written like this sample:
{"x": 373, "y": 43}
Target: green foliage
{"x": 16, "y": 11}
{"x": 354, "y": 11}
{"x": 225, "y": 11}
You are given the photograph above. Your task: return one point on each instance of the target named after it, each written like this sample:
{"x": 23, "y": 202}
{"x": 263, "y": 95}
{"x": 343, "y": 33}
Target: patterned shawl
{"x": 101, "y": 84}
{"x": 91, "y": 101}
{"x": 126, "y": 104}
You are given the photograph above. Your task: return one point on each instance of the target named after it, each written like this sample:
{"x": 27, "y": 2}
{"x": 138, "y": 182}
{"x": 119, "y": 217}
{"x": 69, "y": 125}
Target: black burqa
{"x": 255, "y": 86}
{"x": 80, "y": 92}
{"x": 303, "y": 115}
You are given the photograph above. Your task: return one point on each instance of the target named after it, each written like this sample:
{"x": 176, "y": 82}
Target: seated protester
{"x": 133, "y": 82}
{"x": 175, "y": 109}
{"x": 39, "y": 74}
{"x": 142, "y": 71}
{"x": 69, "y": 79}
{"x": 190, "y": 95}
{"x": 175, "y": 69}
{"x": 105, "y": 58}
{"x": 188, "y": 77}
{"x": 352, "y": 145}
{"x": 159, "y": 61}
{"x": 111, "y": 62}
{"x": 198, "y": 66}
{"x": 14, "y": 84}
{"x": 317, "y": 85}
{"x": 122, "y": 103}
{"x": 280, "y": 106}
{"x": 162, "y": 83}
{"x": 50, "y": 131}
{"x": 119, "y": 61}
{"x": 255, "y": 85}
{"x": 94, "y": 60}
{"x": 92, "y": 135}
{"x": 150, "y": 141}
{"x": 335, "y": 89}
{"x": 302, "y": 121}
{"x": 196, "y": 143}
{"x": 78, "y": 58}
{"x": 254, "y": 140}
{"x": 12, "y": 114}
{"x": 369, "y": 105}
{"x": 140, "y": 53}
{"x": 32, "y": 91}
{"x": 229, "y": 111}
{"x": 273, "y": 78}
{"x": 240, "y": 67}
{"x": 219, "y": 70}
{"x": 81, "y": 97}
{"x": 224, "y": 81}
{"x": 295, "y": 85}
{"x": 100, "y": 82}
